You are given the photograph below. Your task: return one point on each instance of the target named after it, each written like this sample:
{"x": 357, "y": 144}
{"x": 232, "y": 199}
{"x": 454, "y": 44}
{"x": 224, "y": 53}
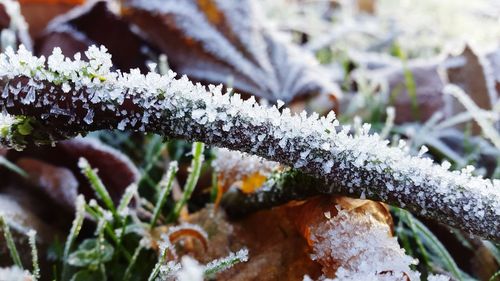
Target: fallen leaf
{"x": 277, "y": 251}
{"x": 114, "y": 168}
{"x": 38, "y": 13}
{"x": 475, "y": 77}
{"x": 59, "y": 183}
{"x": 351, "y": 238}
{"x": 252, "y": 182}
{"x": 428, "y": 92}
{"x": 96, "y": 24}
{"x": 227, "y": 42}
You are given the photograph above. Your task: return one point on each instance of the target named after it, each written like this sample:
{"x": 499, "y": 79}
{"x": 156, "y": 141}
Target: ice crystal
{"x": 227, "y": 262}
{"x": 176, "y": 107}
{"x": 361, "y": 247}
{"x": 438, "y": 278}
{"x": 17, "y": 26}
{"x": 487, "y": 127}
{"x": 6, "y": 122}
{"x": 14, "y": 273}
{"x": 191, "y": 270}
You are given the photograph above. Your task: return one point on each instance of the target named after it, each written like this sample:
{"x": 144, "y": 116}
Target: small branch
{"x": 277, "y": 190}
{"x": 70, "y": 97}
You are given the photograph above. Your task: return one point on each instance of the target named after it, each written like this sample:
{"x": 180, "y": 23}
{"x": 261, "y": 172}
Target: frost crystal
{"x": 14, "y": 274}
{"x": 17, "y": 25}
{"x": 361, "y": 247}
{"x": 191, "y": 270}
{"x": 6, "y": 122}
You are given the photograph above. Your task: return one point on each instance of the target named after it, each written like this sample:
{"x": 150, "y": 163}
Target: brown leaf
{"x": 95, "y": 24}
{"x": 367, "y": 6}
{"x": 21, "y": 218}
{"x": 312, "y": 212}
{"x": 59, "y": 183}
{"x": 428, "y": 90}
{"x": 476, "y": 79}
{"x": 38, "y": 13}
{"x": 114, "y": 168}
{"x": 351, "y": 236}
{"x": 276, "y": 249}
{"x": 226, "y": 42}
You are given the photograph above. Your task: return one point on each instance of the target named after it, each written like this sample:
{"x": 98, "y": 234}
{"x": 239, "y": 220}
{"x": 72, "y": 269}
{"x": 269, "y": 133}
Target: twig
{"x": 66, "y": 98}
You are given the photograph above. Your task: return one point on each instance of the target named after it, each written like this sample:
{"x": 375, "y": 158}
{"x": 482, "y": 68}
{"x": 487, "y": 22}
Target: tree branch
{"x": 63, "y": 98}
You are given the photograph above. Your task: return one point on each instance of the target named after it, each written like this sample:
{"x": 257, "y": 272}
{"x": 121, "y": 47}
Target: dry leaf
{"x": 428, "y": 91}
{"x": 107, "y": 160}
{"x": 367, "y": 6}
{"x": 96, "y": 24}
{"x": 475, "y": 77}
{"x": 252, "y": 182}
{"x": 38, "y": 13}
{"x": 59, "y": 183}
{"x": 352, "y": 238}
{"x": 277, "y": 251}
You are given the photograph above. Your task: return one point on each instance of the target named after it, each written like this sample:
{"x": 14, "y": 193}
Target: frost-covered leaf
{"x": 38, "y": 13}
{"x": 115, "y": 169}
{"x": 229, "y": 42}
{"x": 95, "y": 23}
{"x": 352, "y": 239}
{"x": 59, "y": 183}
{"x": 428, "y": 86}
{"x": 247, "y": 172}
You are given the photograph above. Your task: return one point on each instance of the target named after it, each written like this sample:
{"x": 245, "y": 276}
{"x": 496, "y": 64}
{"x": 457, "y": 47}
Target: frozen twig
{"x": 66, "y": 97}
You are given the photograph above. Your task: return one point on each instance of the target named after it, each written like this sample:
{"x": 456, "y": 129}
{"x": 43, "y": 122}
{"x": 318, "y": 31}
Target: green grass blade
{"x": 132, "y": 262}
{"x": 438, "y": 248}
{"x": 157, "y": 266}
{"x": 220, "y": 265}
{"x": 34, "y": 255}
{"x": 165, "y": 187}
{"x": 13, "y": 167}
{"x": 127, "y": 197}
{"x": 99, "y": 188}
{"x": 10, "y": 242}
{"x": 191, "y": 181}
{"x": 411, "y": 86}
{"x": 73, "y": 233}
{"x": 410, "y": 220}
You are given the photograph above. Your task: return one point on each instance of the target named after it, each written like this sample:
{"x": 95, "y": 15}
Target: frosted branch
{"x": 65, "y": 97}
